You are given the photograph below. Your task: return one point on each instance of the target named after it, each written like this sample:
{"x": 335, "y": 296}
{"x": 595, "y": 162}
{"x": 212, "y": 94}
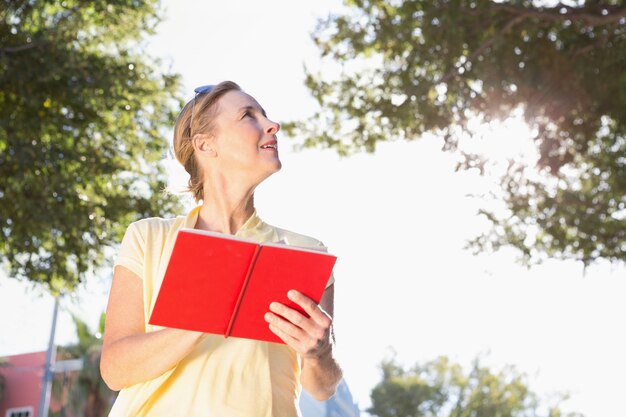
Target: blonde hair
{"x": 200, "y": 111}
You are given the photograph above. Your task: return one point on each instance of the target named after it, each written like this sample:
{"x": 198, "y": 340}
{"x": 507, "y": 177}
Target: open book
{"x": 222, "y": 284}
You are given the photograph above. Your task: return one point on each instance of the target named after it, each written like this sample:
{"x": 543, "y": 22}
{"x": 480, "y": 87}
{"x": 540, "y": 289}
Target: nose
{"x": 272, "y": 127}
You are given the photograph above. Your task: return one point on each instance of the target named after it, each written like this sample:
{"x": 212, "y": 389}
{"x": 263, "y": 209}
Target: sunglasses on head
{"x": 203, "y": 89}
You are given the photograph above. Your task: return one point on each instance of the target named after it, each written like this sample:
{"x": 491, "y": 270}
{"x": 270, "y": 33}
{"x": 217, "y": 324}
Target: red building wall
{"x": 22, "y": 374}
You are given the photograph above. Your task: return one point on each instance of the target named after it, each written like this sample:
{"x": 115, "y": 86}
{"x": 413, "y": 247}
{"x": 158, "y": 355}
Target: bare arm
{"x": 129, "y": 354}
{"x": 313, "y": 338}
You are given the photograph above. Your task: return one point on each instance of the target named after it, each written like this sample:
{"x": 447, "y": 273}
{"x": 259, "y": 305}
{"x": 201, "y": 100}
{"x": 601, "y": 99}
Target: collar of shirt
{"x": 254, "y": 228}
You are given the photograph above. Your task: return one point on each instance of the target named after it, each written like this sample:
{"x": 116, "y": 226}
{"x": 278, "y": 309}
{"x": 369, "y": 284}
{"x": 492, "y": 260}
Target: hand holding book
{"x": 310, "y": 334}
{"x": 222, "y": 284}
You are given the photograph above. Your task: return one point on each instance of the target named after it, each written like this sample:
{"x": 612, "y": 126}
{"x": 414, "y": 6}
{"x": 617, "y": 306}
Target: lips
{"x": 273, "y": 144}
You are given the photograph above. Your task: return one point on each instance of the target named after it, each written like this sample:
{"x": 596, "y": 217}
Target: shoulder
{"x": 297, "y": 239}
{"x": 152, "y": 227}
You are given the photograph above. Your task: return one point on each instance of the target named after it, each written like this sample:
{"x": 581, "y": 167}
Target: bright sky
{"x": 397, "y": 220}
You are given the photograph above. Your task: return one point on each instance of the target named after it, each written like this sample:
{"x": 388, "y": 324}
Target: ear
{"x": 203, "y": 144}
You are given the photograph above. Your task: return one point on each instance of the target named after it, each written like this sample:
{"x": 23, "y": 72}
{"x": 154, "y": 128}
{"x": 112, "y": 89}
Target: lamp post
{"x": 46, "y": 385}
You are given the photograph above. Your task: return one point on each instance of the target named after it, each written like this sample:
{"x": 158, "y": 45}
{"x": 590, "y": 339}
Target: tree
{"x": 3, "y": 362}
{"x": 441, "y": 389}
{"x": 414, "y": 67}
{"x": 82, "y": 114}
{"x": 88, "y": 395}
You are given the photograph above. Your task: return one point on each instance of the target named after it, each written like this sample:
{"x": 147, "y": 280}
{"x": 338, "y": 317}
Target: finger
{"x": 298, "y": 340}
{"x": 310, "y": 307}
{"x": 293, "y": 316}
{"x": 305, "y": 330}
{"x": 285, "y": 326}
{"x": 285, "y": 337}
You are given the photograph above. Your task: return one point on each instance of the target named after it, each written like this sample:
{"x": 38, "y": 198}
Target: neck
{"x": 225, "y": 208}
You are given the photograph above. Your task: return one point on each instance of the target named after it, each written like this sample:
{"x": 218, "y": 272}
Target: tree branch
{"x": 64, "y": 17}
{"x": 602, "y": 41}
{"x": 483, "y": 47}
{"x": 573, "y": 14}
{"x": 552, "y": 14}
{"x": 598, "y": 44}
{"x": 14, "y": 49}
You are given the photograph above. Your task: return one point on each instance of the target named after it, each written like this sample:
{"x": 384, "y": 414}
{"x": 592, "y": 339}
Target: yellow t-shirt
{"x": 221, "y": 377}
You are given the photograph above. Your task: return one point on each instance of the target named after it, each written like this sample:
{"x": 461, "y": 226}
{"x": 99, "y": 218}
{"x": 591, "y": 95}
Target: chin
{"x": 274, "y": 169}
{"x": 276, "y": 165}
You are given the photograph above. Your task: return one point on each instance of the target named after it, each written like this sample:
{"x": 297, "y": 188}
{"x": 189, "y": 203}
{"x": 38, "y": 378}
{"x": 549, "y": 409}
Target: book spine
{"x": 233, "y": 317}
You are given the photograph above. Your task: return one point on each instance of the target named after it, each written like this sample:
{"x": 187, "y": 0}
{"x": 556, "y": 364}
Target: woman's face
{"x": 245, "y": 140}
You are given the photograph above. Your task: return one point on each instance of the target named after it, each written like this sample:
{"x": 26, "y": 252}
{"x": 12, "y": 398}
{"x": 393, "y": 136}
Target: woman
{"x": 228, "y": 146}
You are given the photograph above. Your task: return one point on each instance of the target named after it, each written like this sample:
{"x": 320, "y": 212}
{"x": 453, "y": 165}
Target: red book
{"x": 222, "y": 284}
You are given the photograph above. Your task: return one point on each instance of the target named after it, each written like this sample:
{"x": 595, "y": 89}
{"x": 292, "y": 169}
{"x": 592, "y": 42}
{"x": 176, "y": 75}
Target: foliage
{"x": 441, "y": 389}
{"x": 3, "y": 362}
{"x": 412, "y": 67}
{"x": 82, "y": 113}
{"x": 87, "y": 395}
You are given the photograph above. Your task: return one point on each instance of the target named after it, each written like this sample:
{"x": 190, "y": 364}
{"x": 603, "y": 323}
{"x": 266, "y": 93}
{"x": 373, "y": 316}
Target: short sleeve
{"x": 331, "y": 279}
{"x": 132, "y": 251}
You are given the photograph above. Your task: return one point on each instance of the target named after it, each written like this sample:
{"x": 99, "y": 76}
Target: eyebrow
{"x": 253, "y": 109}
